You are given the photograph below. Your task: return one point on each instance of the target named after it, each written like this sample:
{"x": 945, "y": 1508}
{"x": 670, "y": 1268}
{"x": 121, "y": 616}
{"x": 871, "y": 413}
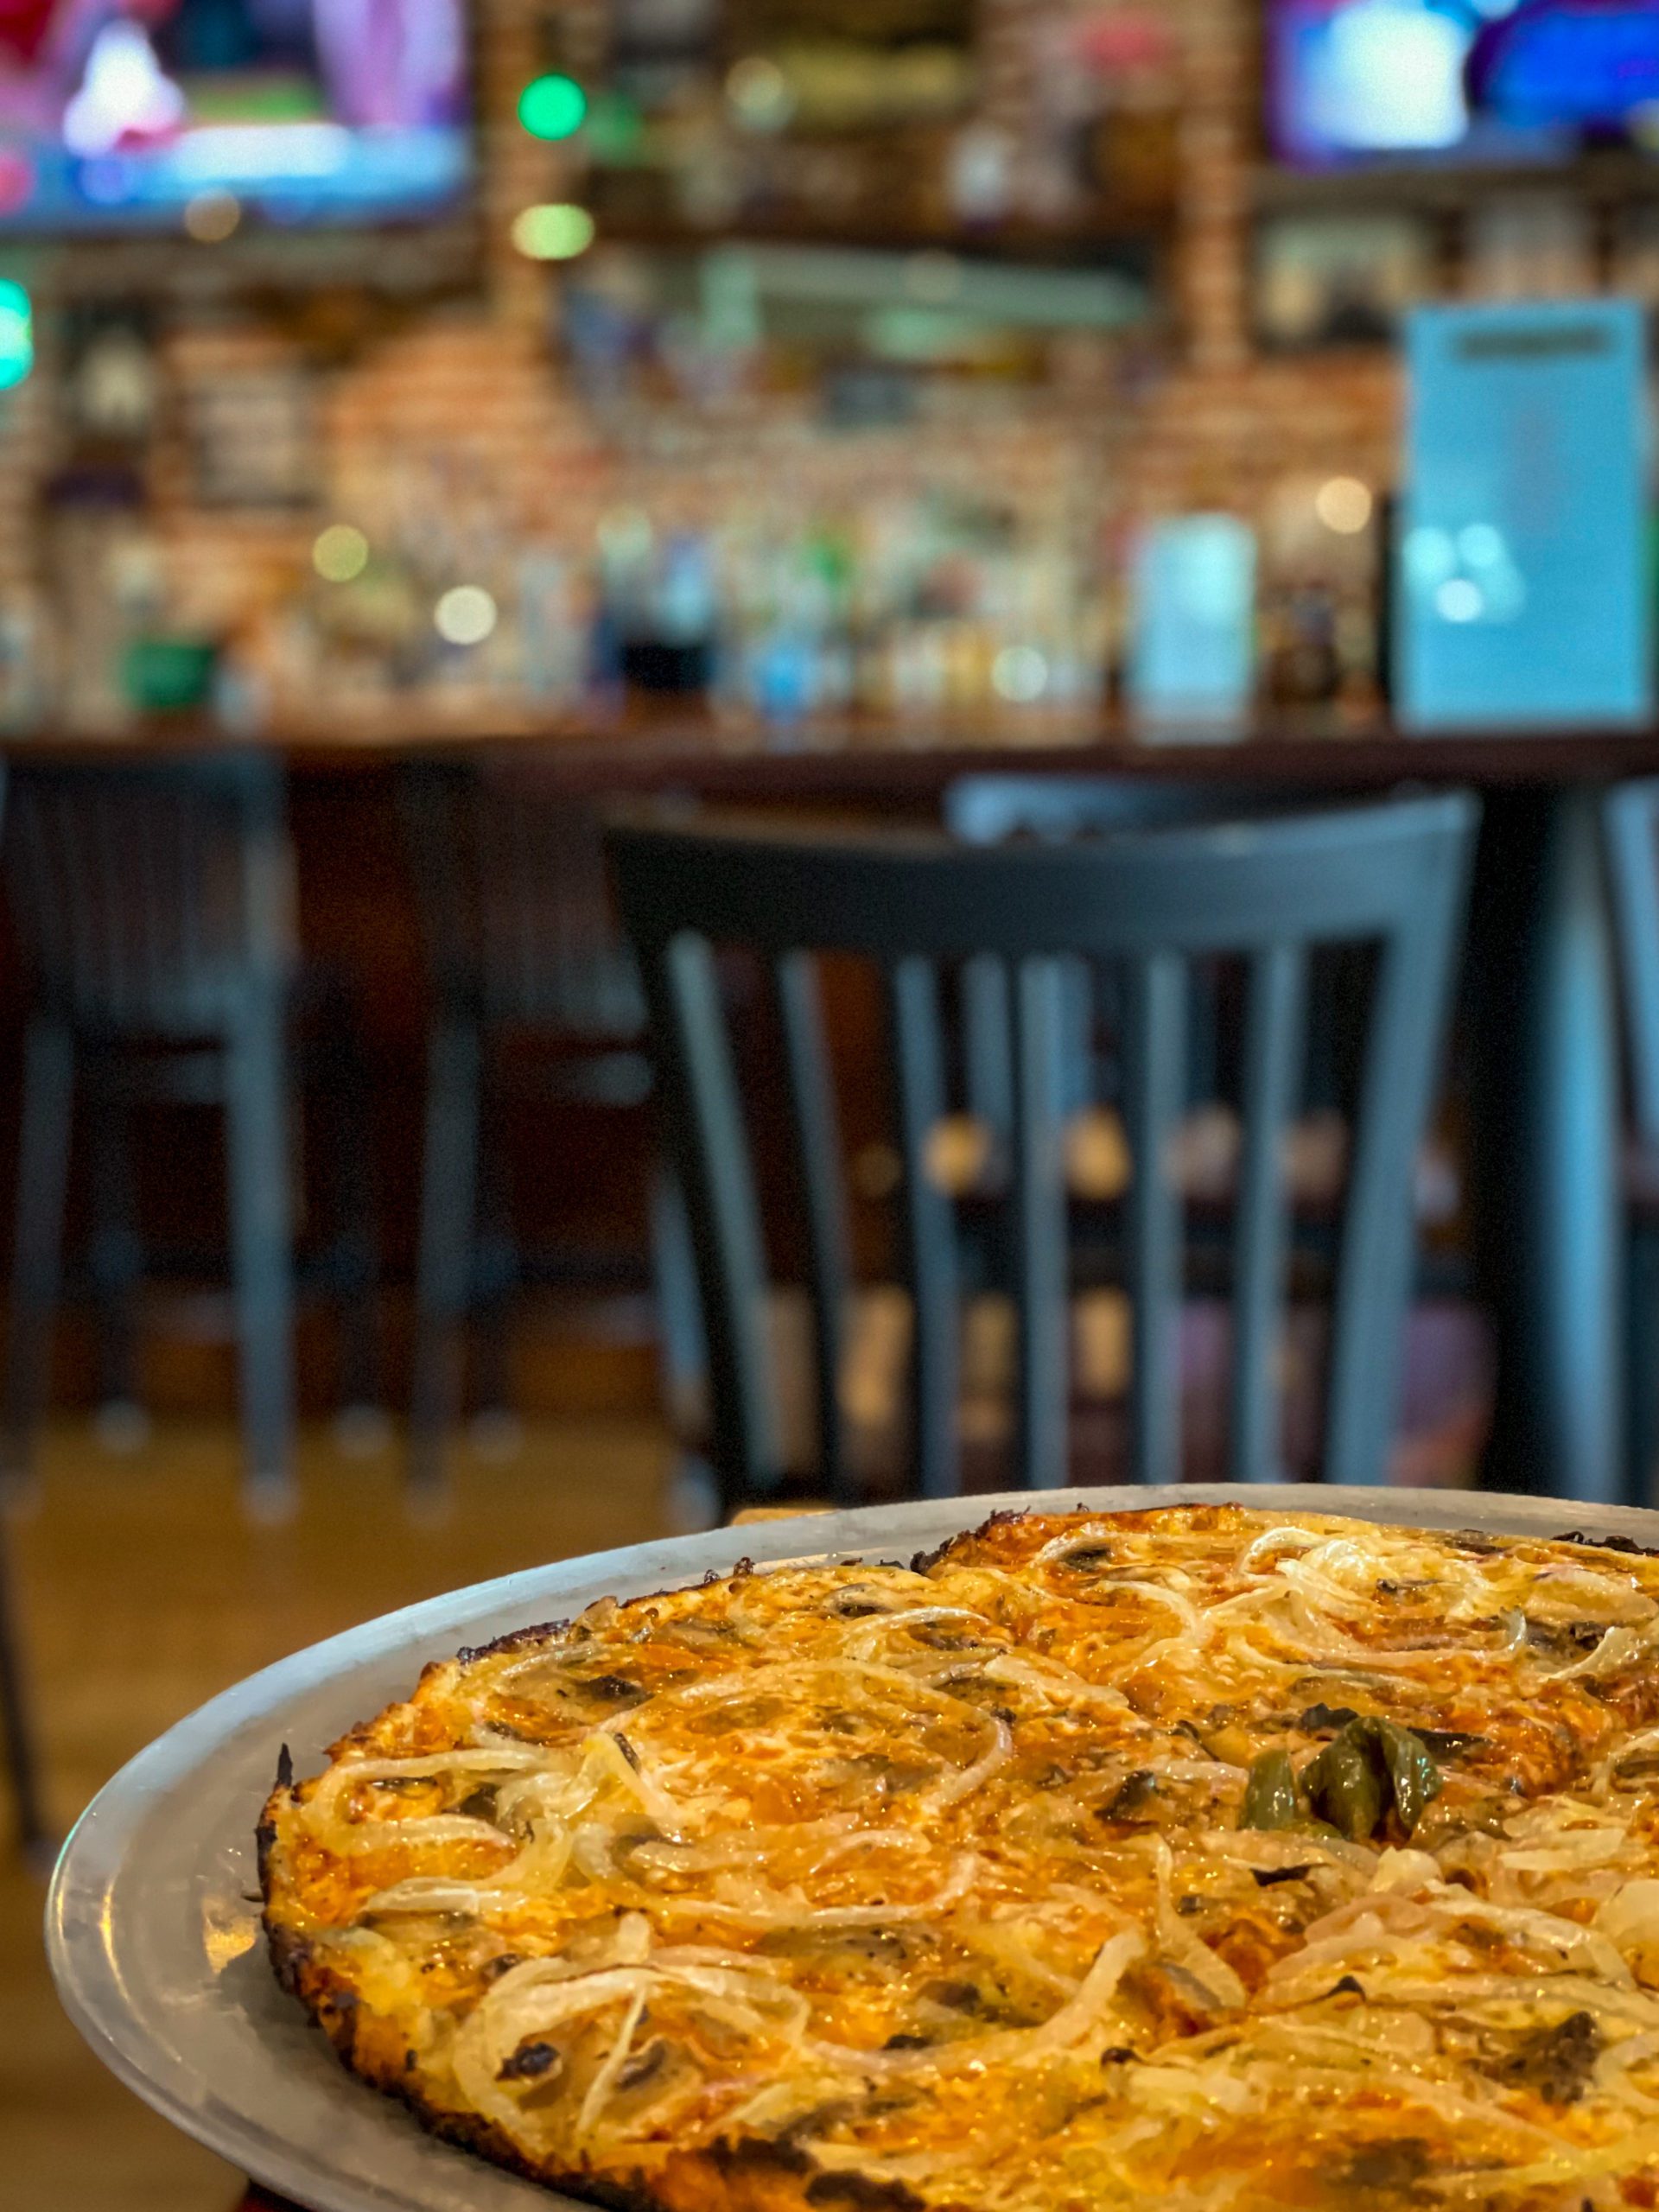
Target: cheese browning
{"x": 1189, "y": 1855}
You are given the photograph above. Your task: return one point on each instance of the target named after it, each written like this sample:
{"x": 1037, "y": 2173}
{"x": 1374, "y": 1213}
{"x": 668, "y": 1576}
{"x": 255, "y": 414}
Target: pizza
{"x": 1200, "y": 1856}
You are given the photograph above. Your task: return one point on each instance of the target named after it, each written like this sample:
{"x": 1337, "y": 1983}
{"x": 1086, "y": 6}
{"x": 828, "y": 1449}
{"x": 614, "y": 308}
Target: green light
{"x": 17, "y": 334}
{"x": 553, "y": 107}
{"x": 555, "y": 232}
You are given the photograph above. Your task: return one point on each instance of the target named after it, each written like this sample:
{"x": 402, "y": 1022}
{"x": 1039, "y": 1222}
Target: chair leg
{"x": 47, "y": 1102}
{"x": 262, "y": 1248}
{"x": 683, "y": 1351}
{"x": 444, "y": 1275}
{"x": 16, "y": 1725}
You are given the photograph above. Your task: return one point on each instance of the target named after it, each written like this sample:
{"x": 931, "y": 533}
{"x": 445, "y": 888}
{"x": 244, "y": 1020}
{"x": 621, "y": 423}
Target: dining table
{"x": 1538, "y": 1031}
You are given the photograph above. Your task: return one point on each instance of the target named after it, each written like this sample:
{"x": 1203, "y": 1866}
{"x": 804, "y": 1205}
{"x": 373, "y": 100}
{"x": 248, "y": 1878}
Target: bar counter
{"x": 1539, "y": 1033}
{"x": 859, "y": 755}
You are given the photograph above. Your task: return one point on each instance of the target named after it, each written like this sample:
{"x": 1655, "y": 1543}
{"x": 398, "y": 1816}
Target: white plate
{"x": 152, "y": 1925}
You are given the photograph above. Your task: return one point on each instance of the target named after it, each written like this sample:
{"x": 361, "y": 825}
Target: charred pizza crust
{"x": 1197, "y": 1854}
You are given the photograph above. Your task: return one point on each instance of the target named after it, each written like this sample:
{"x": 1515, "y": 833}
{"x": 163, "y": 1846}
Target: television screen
{"x": 125, "y": 114}
{"x": 1474, "y": 80}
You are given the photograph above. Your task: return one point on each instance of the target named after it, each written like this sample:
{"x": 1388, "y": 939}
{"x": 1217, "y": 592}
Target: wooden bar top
{"x": 857, "y": 756}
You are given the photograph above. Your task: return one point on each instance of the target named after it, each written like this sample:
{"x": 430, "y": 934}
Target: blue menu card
{"x": 1523, "y": 584}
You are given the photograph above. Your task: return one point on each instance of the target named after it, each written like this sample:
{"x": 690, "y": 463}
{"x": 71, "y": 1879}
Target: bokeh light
{"x": 760, "y": 94}
{"x": 212, "y": 217}
{"x": 465, "y": 615}
{"x": 341, "y": 553}
{"x": 1461, "y": 599}
{"x": 1345, "y": 506}
{"x": 1020, "y": 674}
{"x": 17, "y": 334}
{"x": 556, "y": 232}
{"x": 553, "y": 107}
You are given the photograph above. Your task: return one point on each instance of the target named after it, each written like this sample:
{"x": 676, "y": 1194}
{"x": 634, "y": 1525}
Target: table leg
{"x": 1544, "y": 1088}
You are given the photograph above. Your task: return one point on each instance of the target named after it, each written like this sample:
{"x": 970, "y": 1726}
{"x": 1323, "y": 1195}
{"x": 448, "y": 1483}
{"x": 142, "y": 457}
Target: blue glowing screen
{"x": 120, "y": 114}
{"x": 1503, "y": 81}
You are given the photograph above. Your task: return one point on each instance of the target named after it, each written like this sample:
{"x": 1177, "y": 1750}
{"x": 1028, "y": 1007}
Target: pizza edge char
{"x": 754, "y": 2173}
{"x": 749, "y": 2171}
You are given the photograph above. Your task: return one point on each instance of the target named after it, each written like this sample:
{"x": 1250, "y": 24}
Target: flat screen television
{"x": 120, "y": 115}
{"x": 1502, "y": 81}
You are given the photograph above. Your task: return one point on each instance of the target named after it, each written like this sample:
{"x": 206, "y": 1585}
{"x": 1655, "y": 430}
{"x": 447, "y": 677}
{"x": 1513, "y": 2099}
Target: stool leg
{"x": 356, "y": 1240}
{"x": 262, "y": 1248}
{"x": 47, "y": 1101}
{"x": 443, "y": 1286}
{"x": 116, "y": 1262}
{"x": 16, "y": 1725}
{"x": 495, "y": 1268}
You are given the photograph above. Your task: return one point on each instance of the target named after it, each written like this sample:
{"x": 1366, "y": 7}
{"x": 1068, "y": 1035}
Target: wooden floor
{"x": 144, "y": 1590}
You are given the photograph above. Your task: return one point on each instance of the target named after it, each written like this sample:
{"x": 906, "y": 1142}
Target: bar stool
{"x": 154, "y": 903}
{"x": 916, "y": 909}
{"x": 17, "y": 1722}
{"x": 534, "y": 994}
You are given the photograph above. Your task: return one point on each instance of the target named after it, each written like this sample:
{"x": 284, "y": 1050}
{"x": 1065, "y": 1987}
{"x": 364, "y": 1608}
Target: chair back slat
{"x": 1413, "y": 985}
{"x": 152, "y": 895}
{"x": 1042, "y": 1305}
{"x": 987, "y": 1041}
{"x": 817, "y": 1153}
{"x": 705, "y": 1120}
{"x": 988, "y": 1046}
{"x": 929, "y": 1240}
{"x": 994, "y": 810}
{"x": 1631, "y": 822}
{"x": 1155, "y": 1086}
{"x": 1272, "y": 1042}
{"x": 1139, "y": 916}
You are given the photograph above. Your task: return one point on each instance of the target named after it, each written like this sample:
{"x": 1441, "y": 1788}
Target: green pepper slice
{"x": 1270, "y": 1800}
{"x": 1347, "y": 1784}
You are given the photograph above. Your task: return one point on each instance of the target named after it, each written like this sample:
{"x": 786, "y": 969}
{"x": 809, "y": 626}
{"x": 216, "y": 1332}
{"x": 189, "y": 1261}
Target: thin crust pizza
{"x": 1194, "y": 1857}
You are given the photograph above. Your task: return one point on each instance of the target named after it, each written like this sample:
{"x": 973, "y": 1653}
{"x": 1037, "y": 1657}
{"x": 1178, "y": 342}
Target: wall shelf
{"x": 1611, "y": 179}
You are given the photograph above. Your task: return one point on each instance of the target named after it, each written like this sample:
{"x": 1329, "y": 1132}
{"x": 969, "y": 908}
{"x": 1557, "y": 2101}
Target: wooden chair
{"x": 155, "y": 906}
{"x": 1144, "y": 905}
{"x": 522, "y": 950}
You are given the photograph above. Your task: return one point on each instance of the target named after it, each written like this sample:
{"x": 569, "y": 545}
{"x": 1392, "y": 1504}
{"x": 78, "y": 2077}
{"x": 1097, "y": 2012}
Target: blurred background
{"x": 427, "y": 423}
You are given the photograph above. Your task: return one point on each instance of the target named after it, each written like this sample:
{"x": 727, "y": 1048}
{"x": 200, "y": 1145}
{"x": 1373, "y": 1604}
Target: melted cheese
{"x": 934, "y": 1880}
